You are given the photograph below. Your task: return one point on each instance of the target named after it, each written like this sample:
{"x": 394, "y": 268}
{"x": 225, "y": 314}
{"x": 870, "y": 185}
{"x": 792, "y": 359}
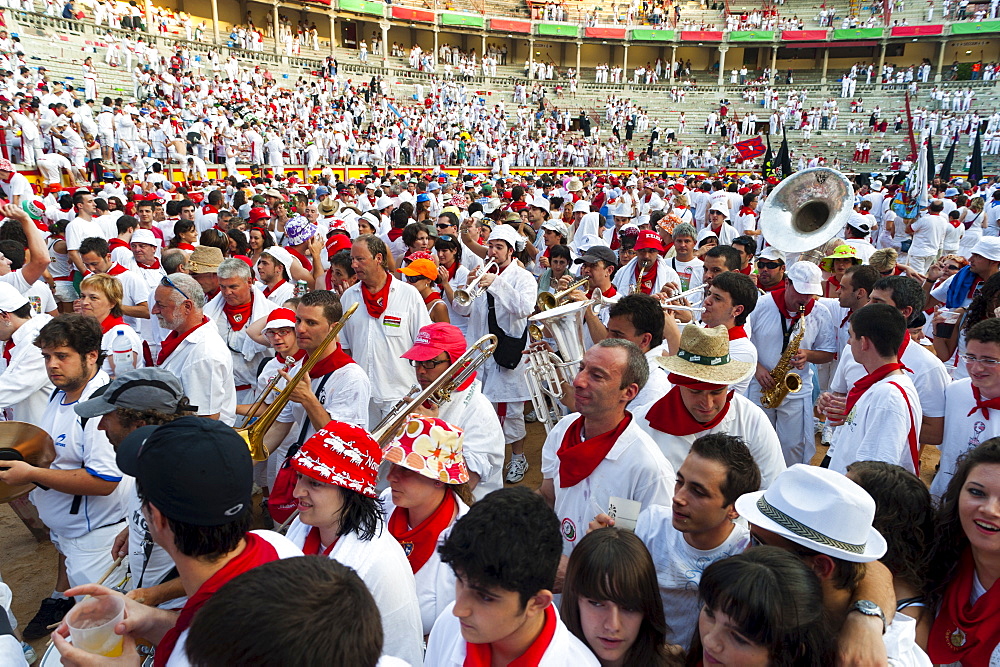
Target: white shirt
{"x": 345, "y": 396}
{"x": 625, "y": 277}
{"x": 205, "y": 368}
{"x": 726, "y": 234}
{"x": 382, "y": 565}
{"x": 744, "y": 419}
{"x": 378, "y": 343}
{"x": 962, "y": 431}
{"x": 483, "y": 444}
{"x": 246, "y": 352}
{"x": 633, "y": 469}
{"x": 446, "y": 646}
{"x": 878, "y": 426}
{"x": 679, "y": 567}
{"x": 928, "y": 235}
{"x": 79, "y": 229}
{"x": 24, "y": 383}
{"x": 691, "y": 274}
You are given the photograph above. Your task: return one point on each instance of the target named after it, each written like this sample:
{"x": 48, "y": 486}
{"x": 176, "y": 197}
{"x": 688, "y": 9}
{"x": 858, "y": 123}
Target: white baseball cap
{"x": 806, "y": 278}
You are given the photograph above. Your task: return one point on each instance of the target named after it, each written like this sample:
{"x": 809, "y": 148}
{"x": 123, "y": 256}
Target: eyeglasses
{"x": 428, "y": 365}
{"x": 769, "y": 265}
{"x": 280, "y": 331}
{"x": 167, "y": 282}
{"x": 985, "y": 362}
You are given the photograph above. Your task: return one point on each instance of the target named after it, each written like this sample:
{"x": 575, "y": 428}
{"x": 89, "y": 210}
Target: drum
{"x": 20, "y": 441}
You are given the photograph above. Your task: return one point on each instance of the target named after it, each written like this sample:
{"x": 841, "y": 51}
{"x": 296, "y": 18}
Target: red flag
{"x": 750, "y": 148}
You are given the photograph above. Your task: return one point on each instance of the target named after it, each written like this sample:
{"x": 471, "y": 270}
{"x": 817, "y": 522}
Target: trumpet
{"x": 548, "y": 300}
{"x": 596, "y": 301}
{"x": 472, "y": 291}
{"x": 438, "y": 391}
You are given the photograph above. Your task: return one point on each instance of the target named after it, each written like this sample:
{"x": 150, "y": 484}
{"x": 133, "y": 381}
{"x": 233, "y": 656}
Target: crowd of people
{"x": 730, "y": 430}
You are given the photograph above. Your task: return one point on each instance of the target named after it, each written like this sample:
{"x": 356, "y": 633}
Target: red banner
{"x": 750, "y": 148}
{"x": 802, "y": 35}
{"x": 606, "y": 33}
{"x": 328, "y": 3}
{"x": 701, "y": 35}
{"x": 916, "y": 30}
{"x": 509, "y": 25}
{"x": 411, "y": 14}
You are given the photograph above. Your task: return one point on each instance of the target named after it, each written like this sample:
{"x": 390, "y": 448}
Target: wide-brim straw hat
{"x": 703, "y": 355}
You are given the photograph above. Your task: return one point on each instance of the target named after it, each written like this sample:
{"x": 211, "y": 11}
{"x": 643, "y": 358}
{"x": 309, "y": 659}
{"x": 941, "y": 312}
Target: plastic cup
{"x": 92, "y": 625}
{"x": 946, "y": 327}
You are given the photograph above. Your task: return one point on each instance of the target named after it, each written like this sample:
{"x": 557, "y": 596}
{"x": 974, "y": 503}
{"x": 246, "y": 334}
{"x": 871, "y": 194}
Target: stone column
{"x": 215, "y": 20}
{"x": 722, "y": 63}
{"x": 826, "y": 62}
{"x": 333, "y": 33}
{"x": 385, "y": 41}
{"x": 579, "y": 47}
{"x": 774, "y": 64}
{"x": 943, "y": 46}
{"x": 277, "y": 41}
{"x": 673, "y": 59}
{"x": 625, "y": 64}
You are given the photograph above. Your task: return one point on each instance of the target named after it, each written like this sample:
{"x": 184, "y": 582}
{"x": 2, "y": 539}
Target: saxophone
{"x": 642, "y": 267}
{"x": 785, "y": 382}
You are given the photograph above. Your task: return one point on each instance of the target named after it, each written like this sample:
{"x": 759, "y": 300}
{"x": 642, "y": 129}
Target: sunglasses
{"x": 167, "y": 282}
{"x": 444, "y": 225}
{"x": 769, "y": 265}
{"x": 952, "y": 267}
{"x": 415, "y": 279}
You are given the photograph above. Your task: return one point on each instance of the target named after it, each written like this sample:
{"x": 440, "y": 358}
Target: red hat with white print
{"x": 648, "y": 239}
{"x": 343, "y": 455}
{"x": 280, "y": 318}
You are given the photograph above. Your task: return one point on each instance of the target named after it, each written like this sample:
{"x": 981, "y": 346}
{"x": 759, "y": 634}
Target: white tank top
{"x": 60, "y": 266}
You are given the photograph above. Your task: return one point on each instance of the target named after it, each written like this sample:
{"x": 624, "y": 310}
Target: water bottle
{"x": 121, "y": 354}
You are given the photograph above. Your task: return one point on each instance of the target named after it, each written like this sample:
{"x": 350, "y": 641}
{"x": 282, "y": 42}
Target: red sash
{"x": 648, "y": 280}
{"x": 312, "y": 544}
{"x": 964, "y": 632}
{"x": 110, "y": 322}
{"x": 238, "y": 316}
{"x": 377, "y": 302}
{"x": 671, "y": 416}
{"x": 983, "y": 404}
{"x": 865, "y": 383}
{"x": 330, "y": 363}
{"x": 256, "y": 551}
{"x": 172, "y": 340}
{"x": 481, "y": 655}
{"x": 420, "y": 541}
{"x": 578, "y": 458}
{"x": 302, "y": 258}
{"x": 268, "y": 291}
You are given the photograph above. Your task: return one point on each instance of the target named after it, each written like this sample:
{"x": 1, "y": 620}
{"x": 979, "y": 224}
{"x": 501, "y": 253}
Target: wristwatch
{"x": 869, "y": 608}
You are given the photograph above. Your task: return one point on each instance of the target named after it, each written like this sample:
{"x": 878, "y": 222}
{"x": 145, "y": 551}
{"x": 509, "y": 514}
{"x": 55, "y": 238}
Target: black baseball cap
{"x": 596, "y": 253}
{"x": 194, "y": 470}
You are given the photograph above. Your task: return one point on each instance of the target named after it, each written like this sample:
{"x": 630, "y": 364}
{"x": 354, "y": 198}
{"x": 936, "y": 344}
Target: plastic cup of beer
{"x": 92, "y": 625}
{"x": 945, "y": 328}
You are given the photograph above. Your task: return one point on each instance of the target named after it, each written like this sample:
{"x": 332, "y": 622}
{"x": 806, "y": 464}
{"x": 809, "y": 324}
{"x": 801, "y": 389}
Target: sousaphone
{"x": 807, "y": 209}
{"x": 20, "y": 441}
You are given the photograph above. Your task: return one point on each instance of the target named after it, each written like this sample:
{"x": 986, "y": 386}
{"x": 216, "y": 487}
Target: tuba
{"x": 547, "y": 371}
{"x": 807, "y": 209}
{"x": 254, "y": 433}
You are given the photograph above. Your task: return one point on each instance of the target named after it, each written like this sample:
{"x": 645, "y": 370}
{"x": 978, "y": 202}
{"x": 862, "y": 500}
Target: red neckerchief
{"x": 8, "y": 345}
{"x": 155, "y": 264}
{"x": 312, "y": 544}
{"x": 431, "y": 298}
{"x": 452, "y": 270}
{"x": 116, "y": 243}
{"x": 736, "y": 333}
{"x": 833, "y": 281}
{"x": 420, "y": 541}
{"x": 212, "y": 295}
{"x": 110, "y": 322}
{"x": 746, "y": 270}
{"x": 670, "y": 415}
{"x": 172, "y": 340}
{"x": 975, "y": 284}
{"x": 964, "y": 632}
{"x": 330, "y": 363}
{"x": 116, "y": 269}
{"x": 649, "y": 279}
{"x": 548, "y": 249}
{"x": 238, "y": 316}
{"x": 773, "y": 288}
{"x": 256, "y": 552}
{"x": 481, "y": 655}
{"x": 268, "y": 291}
{"x": 779, "y": 301}
{"x": 306, "y": 262}
{"x": 615, "y": 243}
{"x": 394, "y": 234}
{"x": 865, "y": 383}
{"x": 578, "y": 458}
{"x": 377, "y": 302}
{"x": 981, "y": 404}
{"x": 746, "y": 210}
{"x": 185, "y": 246}
{"x": 954, "y": 222}
{"x": 611, "y": 291}
{"x": 283, "y": 359}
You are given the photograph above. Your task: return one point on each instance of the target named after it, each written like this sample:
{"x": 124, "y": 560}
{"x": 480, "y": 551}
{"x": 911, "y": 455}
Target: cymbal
{"x": 21, "y": 441}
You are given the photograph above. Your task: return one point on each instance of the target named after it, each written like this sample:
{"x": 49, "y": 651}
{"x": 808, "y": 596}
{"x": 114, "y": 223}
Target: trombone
{"x": 472, "y": 291}
{"x": 548, "y": 300}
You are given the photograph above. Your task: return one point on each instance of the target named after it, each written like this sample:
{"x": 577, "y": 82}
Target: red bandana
{"x": 330, "y": 363}
{"x": 452, "y": 270}
{"x": 154, "y": 265}
{"x": 431, "y": 298}
{"x": 648, "y": 280}
{"x": 746, "y": 210}
{"x": 172, "y": 340}
{"x": 865, "y": 383}
{"x": 377, "y": 302}
{"x": 312, "y": 544}
{"x": 116, "y": 269}
{"x": 288, "y": 361}
{"x": 736, "y": 333}
{"x": 746, "y": 270}
{"x": 8, "y": 345}
{"x": 779, "y": 300}
{"x": 302, "y": 258}
{"x": 610, "y": 292}
{"x": 238, "y": 316}
{"x": 394, "y": 234}
{"x": 256, "y": 552}
{"x": 833, "y": 281}
{"x": 981, "y": 404}
{"x": 774, "y": 288}
{"x": 268, "y": 291}
{"x": 962, "y": 632}
{"x": 110, "y": 322}
{"x": 185, "y": 246}
{"x": 481, "y": 655}
{"x": 671, "y": 416}
{"x": 578, "y": 458}
{"x": 420, "y": 541}
{"x": 117, "y": 243}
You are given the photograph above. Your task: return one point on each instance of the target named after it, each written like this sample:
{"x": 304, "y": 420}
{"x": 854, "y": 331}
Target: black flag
{"x": 768, "y": 168}
{"x": 976, "y": 166}
{"x": 931, "y": 164}
{"x": 784, "y": 159}
{"x": 946, "y": 166}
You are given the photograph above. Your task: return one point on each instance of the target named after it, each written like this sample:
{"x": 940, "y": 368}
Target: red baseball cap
{"x": 258, "y": 214}
{"x": 434, "y": 339}
{"x": 336, "y": 243}
{"x": 650, "y": 239}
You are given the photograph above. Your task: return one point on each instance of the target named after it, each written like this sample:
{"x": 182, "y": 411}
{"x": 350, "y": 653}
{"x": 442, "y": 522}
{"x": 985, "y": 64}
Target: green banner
{"x": 650, "y": 35}
{"x": 470, "y": 20}
{"x": 362, "y": 7}
{"x": 858, "y": 33}
{"x": 752, "y": 36}
{"x": 560, "y": 29}
{"x": 975, "y": 28}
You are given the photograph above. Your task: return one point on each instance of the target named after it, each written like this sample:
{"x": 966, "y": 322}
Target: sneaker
{"x": 50, "y": 611}
{"x": 29, "y": 653}
{"x": 818, "y": 425}
{"x": 516, "y": 468}
{"x": 530, "y": 417}
{"x": 827, "y": 437}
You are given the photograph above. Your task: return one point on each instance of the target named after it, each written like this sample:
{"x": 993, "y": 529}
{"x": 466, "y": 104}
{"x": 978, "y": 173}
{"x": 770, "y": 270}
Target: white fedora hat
{"x": 819, "y": 509}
